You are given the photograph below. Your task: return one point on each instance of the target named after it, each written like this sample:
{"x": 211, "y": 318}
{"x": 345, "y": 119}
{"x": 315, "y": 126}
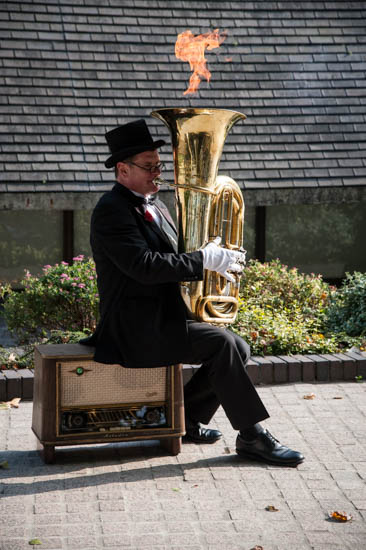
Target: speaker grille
{"x": 91, "y": 383}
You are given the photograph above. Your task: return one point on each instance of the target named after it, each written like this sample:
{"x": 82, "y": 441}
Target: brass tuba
{"x": 208, "y": 205}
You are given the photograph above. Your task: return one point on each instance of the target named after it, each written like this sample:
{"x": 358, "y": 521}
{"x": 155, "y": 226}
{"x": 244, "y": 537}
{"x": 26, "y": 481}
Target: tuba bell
{"x": 208, "y": 205}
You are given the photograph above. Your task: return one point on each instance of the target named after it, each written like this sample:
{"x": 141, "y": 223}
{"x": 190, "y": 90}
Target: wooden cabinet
{"x": 77, "y": 401}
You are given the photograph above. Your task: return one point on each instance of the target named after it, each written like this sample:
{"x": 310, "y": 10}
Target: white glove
{"x": 222, "y": 260}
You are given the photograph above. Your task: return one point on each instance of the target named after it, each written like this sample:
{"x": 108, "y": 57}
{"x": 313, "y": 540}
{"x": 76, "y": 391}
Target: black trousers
{"x": 222, "y": 379}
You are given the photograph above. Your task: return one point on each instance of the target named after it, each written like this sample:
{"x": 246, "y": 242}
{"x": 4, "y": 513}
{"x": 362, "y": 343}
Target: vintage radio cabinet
{"x": 78, "y": 401}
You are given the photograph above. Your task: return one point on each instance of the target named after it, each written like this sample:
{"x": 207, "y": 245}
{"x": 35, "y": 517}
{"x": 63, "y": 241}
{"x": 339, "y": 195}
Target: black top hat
{"x": 128, "y": 140}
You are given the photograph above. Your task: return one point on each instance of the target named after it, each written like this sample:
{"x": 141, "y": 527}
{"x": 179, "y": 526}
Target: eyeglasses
{"x": 156, "y": 168}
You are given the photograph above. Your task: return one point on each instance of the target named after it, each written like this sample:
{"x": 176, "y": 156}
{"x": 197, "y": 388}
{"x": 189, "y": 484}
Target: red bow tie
{"x": 147, "y": 215}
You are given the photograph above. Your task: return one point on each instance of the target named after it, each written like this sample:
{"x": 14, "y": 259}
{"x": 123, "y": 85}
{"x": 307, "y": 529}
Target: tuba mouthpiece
{"x": 161, "y": 181}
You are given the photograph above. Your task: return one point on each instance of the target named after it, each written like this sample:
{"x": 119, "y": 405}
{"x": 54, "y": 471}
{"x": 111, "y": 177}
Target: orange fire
{"x": 192, "y": 49}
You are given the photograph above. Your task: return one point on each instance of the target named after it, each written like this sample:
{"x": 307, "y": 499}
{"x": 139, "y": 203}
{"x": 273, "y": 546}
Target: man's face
{"x": 139, "y": 178}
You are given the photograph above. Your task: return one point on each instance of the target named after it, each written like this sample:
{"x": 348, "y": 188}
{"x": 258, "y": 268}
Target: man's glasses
{"x": 156, "y": 168}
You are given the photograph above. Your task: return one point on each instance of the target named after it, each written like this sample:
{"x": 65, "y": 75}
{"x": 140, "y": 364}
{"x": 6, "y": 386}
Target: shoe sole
{"x": 259, "y": 458}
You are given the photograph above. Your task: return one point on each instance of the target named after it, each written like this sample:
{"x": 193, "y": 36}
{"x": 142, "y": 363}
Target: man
{"x": 144, "y": 321}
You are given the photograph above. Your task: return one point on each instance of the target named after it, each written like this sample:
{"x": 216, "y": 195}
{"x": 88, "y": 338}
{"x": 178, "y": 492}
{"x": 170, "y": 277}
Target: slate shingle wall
{"x": 71, "y": 70}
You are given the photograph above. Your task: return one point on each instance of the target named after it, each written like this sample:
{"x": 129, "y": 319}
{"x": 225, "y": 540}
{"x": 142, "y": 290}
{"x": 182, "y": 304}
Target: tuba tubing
{"x": 207, "y": 205}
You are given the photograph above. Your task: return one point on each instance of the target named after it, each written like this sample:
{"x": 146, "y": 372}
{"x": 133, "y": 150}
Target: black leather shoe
{"x": 195, "y": 432}
{"x": 267, "y": 448}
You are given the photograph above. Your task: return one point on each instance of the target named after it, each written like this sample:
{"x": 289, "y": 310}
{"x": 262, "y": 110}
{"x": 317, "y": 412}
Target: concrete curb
{"x": 281, "y": 369}
{"x": 284, "y": 369}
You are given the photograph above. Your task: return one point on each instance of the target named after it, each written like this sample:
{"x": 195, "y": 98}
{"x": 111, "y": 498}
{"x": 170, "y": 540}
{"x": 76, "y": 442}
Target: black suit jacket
{"x": 143, "y": 316}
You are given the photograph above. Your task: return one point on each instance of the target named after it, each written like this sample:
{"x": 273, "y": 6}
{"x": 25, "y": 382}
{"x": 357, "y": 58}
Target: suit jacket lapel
{"x": 167, "y": 232}
{"x": 153, "y": 225}
{"x": 165, "y": 212}
{"x": 168, "y": 226}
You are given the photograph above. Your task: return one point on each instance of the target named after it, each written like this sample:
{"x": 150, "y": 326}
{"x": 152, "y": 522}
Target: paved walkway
{"x": 123, "y": 497}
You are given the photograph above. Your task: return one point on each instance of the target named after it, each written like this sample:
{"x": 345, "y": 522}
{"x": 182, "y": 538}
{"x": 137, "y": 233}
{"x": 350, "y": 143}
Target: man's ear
{"x": 121, "y": 169}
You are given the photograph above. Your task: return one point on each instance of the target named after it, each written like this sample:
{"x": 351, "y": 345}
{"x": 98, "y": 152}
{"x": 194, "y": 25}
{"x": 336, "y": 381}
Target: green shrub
{"x": 274, "y": 284}
{"x": 64, "y": 297}
{"x": 282, "y": 311}
{"x": 347, "y": 310}
{"x": 277, "y": 333}
{"x": 23, "y": 357}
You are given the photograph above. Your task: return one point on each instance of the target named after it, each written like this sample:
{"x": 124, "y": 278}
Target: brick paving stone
{"x": 280, "y": 369}
{"x": 336, "y": 367}
{"x": 49, "y": 531}
{"x": 253, "y": 370}
{"x": 204, "y": 498}
{"x": 266, "y": 368}
{"x": 76, "y": 543}
{"x": 308, "y": 367}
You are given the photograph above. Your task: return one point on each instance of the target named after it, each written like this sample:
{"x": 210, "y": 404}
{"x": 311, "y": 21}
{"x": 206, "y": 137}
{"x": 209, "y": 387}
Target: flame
{"x": 192, "y": 49}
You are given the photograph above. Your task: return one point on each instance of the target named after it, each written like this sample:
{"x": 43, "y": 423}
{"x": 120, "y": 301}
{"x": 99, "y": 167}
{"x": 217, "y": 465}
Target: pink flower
{"x": 73, "y": 284}
{"x": 78, "y": 258}
{"x": 64, "y": 276}
{"x": 91, "y": 277}
{"x": 47, "y": 266}
{"x": 81, "y": 285}
{"x": 64, "y": 263}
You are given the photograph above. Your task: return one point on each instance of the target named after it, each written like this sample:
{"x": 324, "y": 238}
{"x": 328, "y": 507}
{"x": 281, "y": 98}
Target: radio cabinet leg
{"x": 172, "y": 445}
{"x": 47, "y": 452}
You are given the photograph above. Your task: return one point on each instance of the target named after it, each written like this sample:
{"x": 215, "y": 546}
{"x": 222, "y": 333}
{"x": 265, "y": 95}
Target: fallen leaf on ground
{"x": 175, "y": 489}
{"x": 33, "y": 542}
{"x": 4, "y": 464}
{"x": 340, "y": 516}
{"x": 271, "y": 508}
{"x": 309, "y": 396}
{"x": 257, "y": 548}
{"x": 337, "y": 397}
{"x": 227, "y": 450}
{"x": 15, "y": 402}
{"x": 9, "y": 404}
{"x": 12, "y": 403}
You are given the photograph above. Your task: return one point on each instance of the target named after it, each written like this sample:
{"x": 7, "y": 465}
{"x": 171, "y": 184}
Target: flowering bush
{"x": 282, "y": 311}
{"x": 64, "y": 297}
{"x": 276, "y": 332}
{"x": 274, "y": 285}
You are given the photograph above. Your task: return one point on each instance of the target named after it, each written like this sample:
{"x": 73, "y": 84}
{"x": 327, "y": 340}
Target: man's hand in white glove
{"x": 222, "y": 260}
